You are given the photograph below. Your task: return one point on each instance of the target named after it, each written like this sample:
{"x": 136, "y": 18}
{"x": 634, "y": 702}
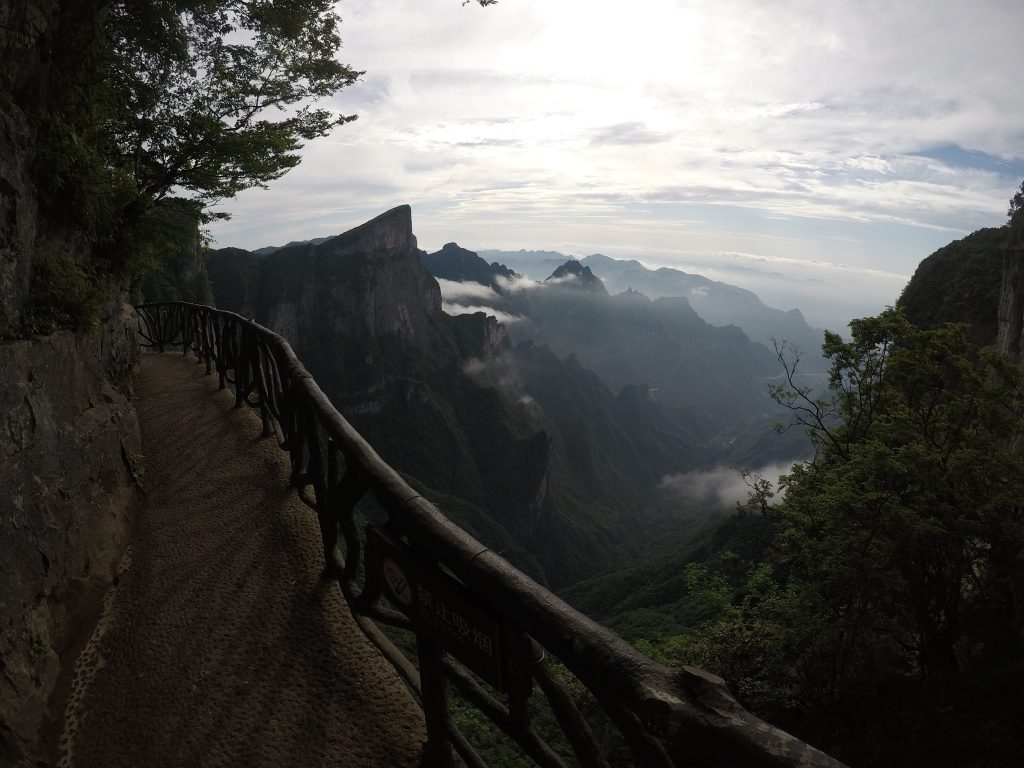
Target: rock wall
{"x": 181, "y": 273}
{"x": 69, "y": 439}
{"x": 71, "y": 456}
{"x": 235, "y": 279}
{"x": 18, "y": 211}
{"x": 1010, "y": 338}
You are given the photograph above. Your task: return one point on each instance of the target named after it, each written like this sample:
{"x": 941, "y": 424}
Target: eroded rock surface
{"x": 70, "y": 457}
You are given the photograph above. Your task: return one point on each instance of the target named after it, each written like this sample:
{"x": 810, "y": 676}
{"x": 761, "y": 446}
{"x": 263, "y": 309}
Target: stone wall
{"x": 70, "y": 453}
{"x": 71, "y": 459}
{"x": 1010, "y": 339}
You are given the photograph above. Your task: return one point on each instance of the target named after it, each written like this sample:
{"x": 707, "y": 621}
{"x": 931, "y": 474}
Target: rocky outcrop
{"x": 235, "y": 279}
{"x": 573, "y": 274}
{"x": 959, "y": 283}
{"x": 352, "y": 305}
{"x": 1010, "y": 337}
{"x": 18, "y": 215}
{"x": 71, "y": 456}
{"x": 479, "y": 336}
{"x": 456, "y": 263}
{"x": 69, "y": 439}
{"x": 181, "y": 271}
{"x": 349, "y": 304}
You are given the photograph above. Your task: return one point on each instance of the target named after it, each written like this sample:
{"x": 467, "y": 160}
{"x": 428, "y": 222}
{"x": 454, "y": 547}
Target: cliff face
{"x": 337, "y": 301}
{"x": 18, "y": 210}
{"x": 235, "y": 279}
{"x": 69, "y": 438}
{"x": 71, "y": 454}
{"x": 1010, "y": 337}
{"x": 181, "y": 273}
{"x": 353, "y": 306}
{"x": 959, "y": 283}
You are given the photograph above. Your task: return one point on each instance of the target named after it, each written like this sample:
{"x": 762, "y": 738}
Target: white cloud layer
{"x": 724, "y": 486}
{"x": 453, "y": 290}
{"x": 858, "y": 132}
{"x": 461, "y": 309}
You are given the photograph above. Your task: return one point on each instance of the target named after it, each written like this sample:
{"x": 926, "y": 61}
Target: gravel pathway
{"x": 221, "y": 646}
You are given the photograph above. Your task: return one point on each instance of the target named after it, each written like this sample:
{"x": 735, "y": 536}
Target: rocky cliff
{"x": 960, "y": 283}
{"x": 1010, "y": 336}
{"x": 69, "y": 438}
{"x": 180, "y": 274}
{"x": 455, "y": 263}
{"x": 71, "y": 456}
{"x": 530, "y": 453}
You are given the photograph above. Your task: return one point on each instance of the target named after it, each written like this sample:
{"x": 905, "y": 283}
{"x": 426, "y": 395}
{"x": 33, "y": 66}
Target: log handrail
{"x": 667, "y": 716}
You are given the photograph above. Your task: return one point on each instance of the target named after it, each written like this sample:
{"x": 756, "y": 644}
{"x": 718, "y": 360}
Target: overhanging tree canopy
{"x": 211, "y": 97}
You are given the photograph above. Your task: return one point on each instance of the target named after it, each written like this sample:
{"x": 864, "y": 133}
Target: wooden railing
{"x": 480, "y": 625}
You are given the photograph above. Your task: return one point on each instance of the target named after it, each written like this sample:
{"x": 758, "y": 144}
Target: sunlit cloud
{"x": 461, "y": 309}
{"x": 847, "y": 133}
{"x": 452, "y": 290}
{"x": 722, "y": 486}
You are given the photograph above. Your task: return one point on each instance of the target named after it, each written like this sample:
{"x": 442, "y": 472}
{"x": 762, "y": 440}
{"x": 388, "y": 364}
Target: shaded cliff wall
{"x": 180, "y": 274}
{"x": 1010, "y": 338}
{"x": 69, "y": 438}
{"x": 70, "y": 452}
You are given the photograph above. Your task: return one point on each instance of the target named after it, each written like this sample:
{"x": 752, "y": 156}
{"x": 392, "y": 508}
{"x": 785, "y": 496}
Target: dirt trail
{"x": 221, "y": 645}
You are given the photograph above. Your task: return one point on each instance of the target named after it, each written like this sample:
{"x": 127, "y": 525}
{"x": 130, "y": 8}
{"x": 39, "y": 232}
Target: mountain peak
{"x": 453, "y": 262}
{"x": 573, "y": 274}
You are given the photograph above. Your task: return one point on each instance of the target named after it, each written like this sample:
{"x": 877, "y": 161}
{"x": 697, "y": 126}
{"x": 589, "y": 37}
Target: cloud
{"x": 517, "y": 284}
{"x": 724, "y": 486}
{"x": 461, "y": 309}
{"x": 452, "y": 290}
{"x": 862, "y": 122}
{"x": 627, "y": 133}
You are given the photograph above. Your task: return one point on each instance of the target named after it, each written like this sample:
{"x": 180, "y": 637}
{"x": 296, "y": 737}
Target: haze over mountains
{"x": 716, "y": 302}
{"x": 550, "y": 436}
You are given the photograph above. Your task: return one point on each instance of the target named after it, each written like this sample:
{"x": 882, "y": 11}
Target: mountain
{"x": 269, "y": 249}
{"x": 713, "y": 379}
{"x": 529, "y": 451}
{"x": 460, "y": 265}
{"x": 535, "y": 265}
{"x": 716, "y": 302}
{"x": 716, "y": 374}
{"x": 959, "y": 283}
{"x": 234, "y": 278}
{"x": 576, "y": 276}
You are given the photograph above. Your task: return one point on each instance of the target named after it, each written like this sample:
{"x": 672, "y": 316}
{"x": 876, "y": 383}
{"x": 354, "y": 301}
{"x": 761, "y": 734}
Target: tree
{"x": 897, "y": 614}
{"x": 210, "y": 98}
{"x": 136, "y": 101}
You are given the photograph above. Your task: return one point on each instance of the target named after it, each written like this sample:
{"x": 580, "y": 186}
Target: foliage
{"x": 64, "y": 295}
{"x": 895, "y": 580}
{"x": 960, "y": 283}
{"x": 145, "y": 98}
{"x": 214, "y": 97}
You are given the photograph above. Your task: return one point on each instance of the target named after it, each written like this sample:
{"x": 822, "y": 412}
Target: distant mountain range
{"x": 514, "y": 435}
{"x": 716, "y": 302}
{"x": 547, "y": 436}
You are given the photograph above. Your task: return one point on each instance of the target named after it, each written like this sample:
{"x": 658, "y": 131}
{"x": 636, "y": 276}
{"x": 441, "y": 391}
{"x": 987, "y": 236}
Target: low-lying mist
{"x": 723, "y": 486}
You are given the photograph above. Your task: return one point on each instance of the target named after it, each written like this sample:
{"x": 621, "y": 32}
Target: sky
{"x": 813, "y": 151}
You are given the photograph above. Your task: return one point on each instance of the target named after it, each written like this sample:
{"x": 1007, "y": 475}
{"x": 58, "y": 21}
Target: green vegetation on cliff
{"x": 142, "y": 97}
{"x": 883, "y": 616}
{"x": 959, "y": 283}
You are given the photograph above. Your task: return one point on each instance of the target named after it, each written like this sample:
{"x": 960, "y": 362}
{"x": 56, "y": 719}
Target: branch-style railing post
{"x": 664, "y": 716}
{"x": 437, "y": 751}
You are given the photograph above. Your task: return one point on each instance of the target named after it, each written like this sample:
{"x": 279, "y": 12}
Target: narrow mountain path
{"x": 221, "y": 645}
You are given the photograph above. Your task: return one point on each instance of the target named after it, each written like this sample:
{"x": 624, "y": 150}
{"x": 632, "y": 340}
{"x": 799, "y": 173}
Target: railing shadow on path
{"x": 481, "y": 625}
